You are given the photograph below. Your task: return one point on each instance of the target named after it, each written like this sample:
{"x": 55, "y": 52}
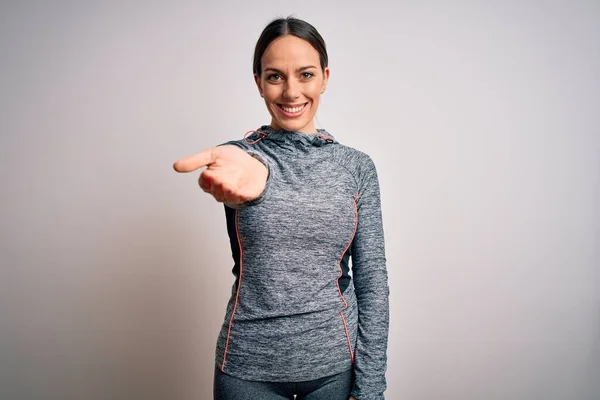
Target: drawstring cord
{"x": 260, "y": 134}
{"x": 326, "y": 138}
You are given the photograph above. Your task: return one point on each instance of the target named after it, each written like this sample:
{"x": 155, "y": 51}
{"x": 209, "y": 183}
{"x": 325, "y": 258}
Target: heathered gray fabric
{"x": 290, "y": 321}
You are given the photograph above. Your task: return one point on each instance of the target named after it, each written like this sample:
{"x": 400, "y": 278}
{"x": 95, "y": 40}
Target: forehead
{"x": 289, "y": 50}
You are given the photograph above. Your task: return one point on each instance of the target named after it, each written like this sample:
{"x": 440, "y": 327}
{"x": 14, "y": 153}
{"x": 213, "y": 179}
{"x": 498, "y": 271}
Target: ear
{"x": 325, "y": 79}
{"x": 257, "y": 81}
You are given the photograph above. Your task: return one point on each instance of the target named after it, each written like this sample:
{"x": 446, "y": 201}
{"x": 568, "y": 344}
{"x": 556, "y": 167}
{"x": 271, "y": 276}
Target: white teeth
{"x": 292, "y": 110}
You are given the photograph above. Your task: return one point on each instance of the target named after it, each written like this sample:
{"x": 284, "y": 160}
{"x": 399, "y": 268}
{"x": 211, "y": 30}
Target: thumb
{"x": 195, "y": 161}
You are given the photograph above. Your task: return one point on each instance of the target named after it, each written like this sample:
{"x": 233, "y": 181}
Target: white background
{"x": 481, "y": 117}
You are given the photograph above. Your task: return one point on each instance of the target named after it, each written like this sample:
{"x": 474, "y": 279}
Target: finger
{"x": 217, "y": 192}
{"x": 231, "y": 198}
{"x": 195, "y": 161}
{"x": 206, "y": 181}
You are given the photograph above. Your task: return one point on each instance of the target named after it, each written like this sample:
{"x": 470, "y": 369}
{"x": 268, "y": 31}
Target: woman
{"x": 299, "y": 205}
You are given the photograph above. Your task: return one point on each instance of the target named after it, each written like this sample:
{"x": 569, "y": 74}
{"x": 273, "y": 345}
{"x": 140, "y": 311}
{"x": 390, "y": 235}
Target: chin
{"x": 293, "y": 126}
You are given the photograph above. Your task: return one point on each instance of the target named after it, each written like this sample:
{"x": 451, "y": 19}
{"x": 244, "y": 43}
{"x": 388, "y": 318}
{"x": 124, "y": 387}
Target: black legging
{"x": 334, "y": 387}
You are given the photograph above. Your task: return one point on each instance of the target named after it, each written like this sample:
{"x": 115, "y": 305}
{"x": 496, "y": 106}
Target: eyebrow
{"x": 297, "y": 70}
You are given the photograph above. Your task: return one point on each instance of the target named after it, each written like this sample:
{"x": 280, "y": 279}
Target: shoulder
{"x": 236, "y": 142}
{"x": 357, "y": 161}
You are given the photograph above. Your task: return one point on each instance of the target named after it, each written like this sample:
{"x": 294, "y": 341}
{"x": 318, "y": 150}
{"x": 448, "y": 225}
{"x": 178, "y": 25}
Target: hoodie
{"x": 311, "y": 296}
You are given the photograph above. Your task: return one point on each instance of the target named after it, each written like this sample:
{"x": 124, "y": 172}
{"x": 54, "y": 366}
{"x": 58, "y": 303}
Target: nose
{"x": 291, "y": 89}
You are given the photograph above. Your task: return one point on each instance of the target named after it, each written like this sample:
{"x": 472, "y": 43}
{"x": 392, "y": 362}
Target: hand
{"x": 232, "y": 175}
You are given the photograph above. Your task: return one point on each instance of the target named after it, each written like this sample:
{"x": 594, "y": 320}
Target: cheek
{"x": 271, "y": 91}
{"x": 314, "y": 90}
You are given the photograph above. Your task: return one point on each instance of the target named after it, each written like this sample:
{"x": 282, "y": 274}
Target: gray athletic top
{"x": 296, "y": 311}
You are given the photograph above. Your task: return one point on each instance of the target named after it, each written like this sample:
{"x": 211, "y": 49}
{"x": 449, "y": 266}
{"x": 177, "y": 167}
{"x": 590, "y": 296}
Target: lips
{"x": 291, "y": 110}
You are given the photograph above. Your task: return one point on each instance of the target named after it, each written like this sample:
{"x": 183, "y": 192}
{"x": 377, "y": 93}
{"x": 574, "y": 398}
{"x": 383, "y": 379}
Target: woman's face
{"x": 291, "y": 83}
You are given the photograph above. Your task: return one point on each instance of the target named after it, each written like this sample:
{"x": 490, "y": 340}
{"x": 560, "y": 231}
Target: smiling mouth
{"x": 292, "y": 108}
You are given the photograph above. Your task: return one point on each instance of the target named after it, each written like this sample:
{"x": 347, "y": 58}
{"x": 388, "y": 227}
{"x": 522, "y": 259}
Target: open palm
{"x": 231, "y": 175}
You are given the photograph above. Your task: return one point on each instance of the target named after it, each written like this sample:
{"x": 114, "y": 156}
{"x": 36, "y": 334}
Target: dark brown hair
{"x": 289, "y": 26}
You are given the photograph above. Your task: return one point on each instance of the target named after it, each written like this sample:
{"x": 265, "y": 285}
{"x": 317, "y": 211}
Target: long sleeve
{"x": 369, "y": 274}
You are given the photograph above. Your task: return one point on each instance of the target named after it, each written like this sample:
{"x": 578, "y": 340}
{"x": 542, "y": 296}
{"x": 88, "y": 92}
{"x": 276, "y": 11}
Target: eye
{"x": 307, "y": 75}
{"x": 273, "y": 77}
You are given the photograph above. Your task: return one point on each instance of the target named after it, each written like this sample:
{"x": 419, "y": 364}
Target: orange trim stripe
{"x": 347, "y": 337}
{"x": 355, "y": 198}
{"x": 237, "y": 294}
